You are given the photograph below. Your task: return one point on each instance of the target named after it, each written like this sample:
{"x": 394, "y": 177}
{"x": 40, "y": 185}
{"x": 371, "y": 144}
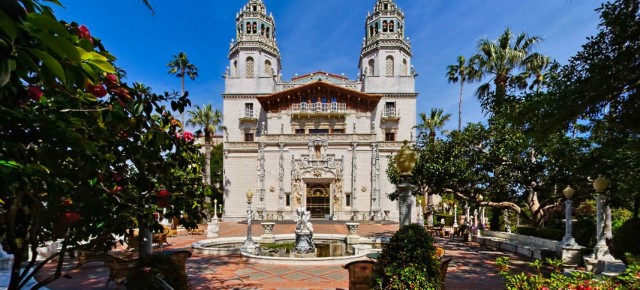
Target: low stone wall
{"x": 534, "y": 247}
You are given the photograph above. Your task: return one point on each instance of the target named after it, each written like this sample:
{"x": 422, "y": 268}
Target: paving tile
{"x": 297, "y": 276}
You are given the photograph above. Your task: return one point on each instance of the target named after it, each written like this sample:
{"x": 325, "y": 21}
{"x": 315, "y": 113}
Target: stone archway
{"x": 318, "y": 199}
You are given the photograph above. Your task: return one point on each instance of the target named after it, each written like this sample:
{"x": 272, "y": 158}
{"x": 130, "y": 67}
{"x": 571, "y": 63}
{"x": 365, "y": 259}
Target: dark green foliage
{"x": 584, "y": 232}
{"x": 151, "y": 267}
{"x": 627, "y": 239}
{"x": 545, "y": 233}
{"x": 407, "y": 261}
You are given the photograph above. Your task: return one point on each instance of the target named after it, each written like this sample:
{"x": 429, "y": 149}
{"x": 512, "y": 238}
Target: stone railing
{"x": 534, "y": 247}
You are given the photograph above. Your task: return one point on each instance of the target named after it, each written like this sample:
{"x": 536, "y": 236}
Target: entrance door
{"x": 318, "y": 201}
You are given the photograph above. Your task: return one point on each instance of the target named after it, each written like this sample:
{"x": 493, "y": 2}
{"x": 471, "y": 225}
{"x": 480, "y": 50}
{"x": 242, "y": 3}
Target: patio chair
{"x": 119, "y": 269}
{"x": 359, "y": 274}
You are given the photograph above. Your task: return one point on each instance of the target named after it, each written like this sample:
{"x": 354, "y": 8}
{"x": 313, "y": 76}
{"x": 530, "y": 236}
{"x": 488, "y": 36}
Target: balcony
{"x": 248, "y": 116}
{"x": 390, "y": 114}
{"x": 319, "y": 109}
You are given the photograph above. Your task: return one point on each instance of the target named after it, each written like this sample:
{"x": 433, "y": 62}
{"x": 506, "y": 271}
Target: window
{"x": 389, "y": 136}
{"x": 371, "y": 68}
{"x": 234, "y": 72}
{"x": 255, "y": 8}
{"x": 300, "y": 132}
{"x": 262, "y": 29}
{"x": 347, "y": 199}
{"x": 376, "y": 28}
{"x": 391, "y": 26}
{"x": 248, "y": 27}
{"x": 384, "y": 26}
{"x": 338, "y": 131}
{"x": 404, "y": 67}
{"x": 389, "y": 66}
{"x": 318, "y": 131}
{"x": 248, "y": 110}
{"x": 249, "y": 67}
{"x": 248, "y": 137}
{"x": 268, "y": 32}
{"x": 267, "y": 68}
{"x": 370, "y": 30}
{"x": 255, "y": 28}
{"x": 389, "y": 109}
{"x": 287, "y": 200}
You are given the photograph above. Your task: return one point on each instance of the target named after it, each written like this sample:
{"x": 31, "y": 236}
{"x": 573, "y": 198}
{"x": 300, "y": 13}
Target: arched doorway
{"x": 318, "y": 200}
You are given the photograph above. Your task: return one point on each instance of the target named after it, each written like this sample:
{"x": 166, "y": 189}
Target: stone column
{"x": 455, "y": 215}
{"x": 267, "y": 233}
{"x": 353, "y": 237}
{"x": 568, "y": 239}
{"x": 404, "y": 201}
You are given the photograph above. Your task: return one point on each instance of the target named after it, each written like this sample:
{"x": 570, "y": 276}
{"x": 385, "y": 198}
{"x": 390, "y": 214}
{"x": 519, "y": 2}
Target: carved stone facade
{"x": 319, "y": 140}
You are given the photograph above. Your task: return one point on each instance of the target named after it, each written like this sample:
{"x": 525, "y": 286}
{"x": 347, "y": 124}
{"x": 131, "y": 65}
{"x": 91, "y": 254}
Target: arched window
{"x": 249, "y": 67}
{"x": 262, "y": 29}
{"x": 384, "y": 26}
{"x": 391, "y": 26}
{"x": 268, "y": 32}
{"x": 370, "y": 30}
{"x": 371, "y": 68}
{"x": 376, "y": 28}
{"x": 404, "y": 67}
{"x": 234, "y": 69}
{"x": 248, "y": 27}
{"x": 268, "y": 70}
{"x": 389, "y": 66}
{"x": 255, "y": 28}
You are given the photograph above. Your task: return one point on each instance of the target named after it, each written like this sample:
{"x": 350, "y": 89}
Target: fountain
{"x": 304, "y": 233}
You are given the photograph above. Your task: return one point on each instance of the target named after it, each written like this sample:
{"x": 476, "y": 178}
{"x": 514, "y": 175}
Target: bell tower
{"x": 254, "y": 57}
{"x": 385, "y": 59}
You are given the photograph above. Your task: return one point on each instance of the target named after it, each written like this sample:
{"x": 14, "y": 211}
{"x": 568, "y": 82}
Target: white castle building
{"x": 319, "y": 140}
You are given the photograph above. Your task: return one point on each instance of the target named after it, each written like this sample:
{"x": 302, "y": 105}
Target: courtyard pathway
{"x": 472, "y": 267}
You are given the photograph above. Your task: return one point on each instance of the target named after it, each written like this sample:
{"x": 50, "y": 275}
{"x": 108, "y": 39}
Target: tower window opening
{"x": 234, "y": 71}
{"x": 370, "y": 30}
{"x": 384, "y": 26}
{"x": 248, "y": 27}
{"x": 347, "y": 199}
{"x": 268, "y": 32}
{"x": 389, "y": 66}
{"x": 404, "y": 67}
{"x": 376, "y": 28}
{"x": 386, "y": 6}
{"x": 268, "y": 70}
{"x": 391, "y": 26}
{"x": 255, "y": 28}
{"x": 371, "y": 68}
{"x": 249, "y": 67}
{"x": 255, "y": 8}
{"x": 262, "y": 29}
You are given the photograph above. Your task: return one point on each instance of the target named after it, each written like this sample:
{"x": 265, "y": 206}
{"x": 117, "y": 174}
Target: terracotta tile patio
{"x": 472, "y": 267}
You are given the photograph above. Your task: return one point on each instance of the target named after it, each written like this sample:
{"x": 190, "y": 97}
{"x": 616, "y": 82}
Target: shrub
{"x": 584, "y": 232}
{"x": 152, "y": 267}
{"x": 627, "y": 239}
{"x": 408, "y": 262}
{"x": 545, "y": 233}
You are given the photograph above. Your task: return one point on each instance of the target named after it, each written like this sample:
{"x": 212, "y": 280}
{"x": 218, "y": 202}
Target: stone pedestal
{"x": 213, "y": 228}
{"x": 571, "y": 254}
{"x": 353, "y": 237}
{"x": 267, "y": 233}
{"x": 361, "y": 249}
{"x": 250, "y": 248}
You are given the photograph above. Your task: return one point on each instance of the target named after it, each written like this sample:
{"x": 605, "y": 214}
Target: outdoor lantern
{"x": 600, "y": 184}
{"x": 249, "y": 196}
{"x": 406, "y": 159}
{"x": 568, "y": 192}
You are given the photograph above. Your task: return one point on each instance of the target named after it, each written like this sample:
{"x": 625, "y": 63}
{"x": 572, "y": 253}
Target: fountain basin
{"x": 231, "y": 245}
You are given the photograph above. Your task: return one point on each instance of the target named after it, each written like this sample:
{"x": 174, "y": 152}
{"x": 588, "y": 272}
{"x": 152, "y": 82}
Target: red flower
{"x": 188, "y": 136}
{"x": 111, "y": 80}
{"x": 83, "y": 32}
{"x": 71, "y": 217}
{"x": 99, "y": 91}
{"x": 116, "y": 189}
{"x": 34, "y": 92}
{"x": 162, "y": 193}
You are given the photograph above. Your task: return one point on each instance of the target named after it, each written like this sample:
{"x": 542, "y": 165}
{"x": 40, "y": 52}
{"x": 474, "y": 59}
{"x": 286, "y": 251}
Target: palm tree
{"x": 502, "y": 59}
{"x": 462, "y": 72}
{"x": 181, "y": 67}
{"x": 210, "y": 121}
{"x": 437, "y": 119}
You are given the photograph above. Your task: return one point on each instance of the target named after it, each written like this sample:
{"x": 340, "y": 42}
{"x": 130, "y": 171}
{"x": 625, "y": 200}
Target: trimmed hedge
{"x": 627, "y": 239}
{"x": 545, "y": 233}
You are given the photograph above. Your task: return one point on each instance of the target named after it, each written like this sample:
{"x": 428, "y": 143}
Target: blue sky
{"x": 325, "y": 35}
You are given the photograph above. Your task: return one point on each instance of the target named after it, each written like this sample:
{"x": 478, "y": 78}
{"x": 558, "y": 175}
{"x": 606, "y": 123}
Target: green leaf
{"x": 62, "y": 47}
{"x": 5, "y": 72}
{"x": 7, "y": 26}
{"x": 47, "y": 23}
{"x": 51, "y": 63}
{"x": 103, "y": 65}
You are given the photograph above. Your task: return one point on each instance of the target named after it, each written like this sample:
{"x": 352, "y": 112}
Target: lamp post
{"x": 601, "y": 251}
{"x": 249, "y": 244}
{"x": 405, "y": 162}
{"x": 568, "y": 240}
{"x": 455, "y": 215}
{"x": 215, "y": 209}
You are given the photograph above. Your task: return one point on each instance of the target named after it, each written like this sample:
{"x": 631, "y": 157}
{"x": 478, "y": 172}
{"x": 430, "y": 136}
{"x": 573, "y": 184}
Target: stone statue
{"x": 304, "y": 232}
{"x": 302, "y": 219}
{"x": 296, "y": 190}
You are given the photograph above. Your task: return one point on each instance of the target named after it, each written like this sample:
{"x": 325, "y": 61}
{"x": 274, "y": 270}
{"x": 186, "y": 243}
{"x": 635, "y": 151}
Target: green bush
{"x": 448, "y": 219}
{"x": 152, "y": 267}
{"x": 408, "y": 262}
{"x": 627, "y": 239}
{"x": 618, "y": 217}
{"x": 545, "y": 233}
{"x": 584, "y": 232}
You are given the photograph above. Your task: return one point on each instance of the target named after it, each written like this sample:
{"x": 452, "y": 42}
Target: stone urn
{"x": 353, "y": 237}
{"x": 267, "y": 233}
